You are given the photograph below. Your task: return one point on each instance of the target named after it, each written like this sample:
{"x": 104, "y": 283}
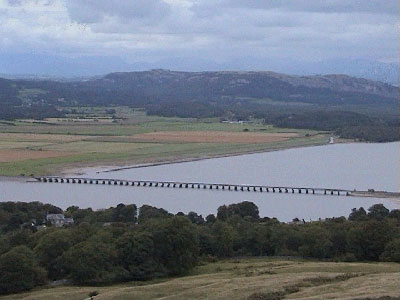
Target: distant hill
{"x": 159, "y": 86}
{"x": 165, "y": 85}
{"x": 15, "y": 65}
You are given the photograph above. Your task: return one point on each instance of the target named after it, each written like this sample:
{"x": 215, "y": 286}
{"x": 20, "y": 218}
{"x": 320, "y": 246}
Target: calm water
{"x": 348, "y": 166}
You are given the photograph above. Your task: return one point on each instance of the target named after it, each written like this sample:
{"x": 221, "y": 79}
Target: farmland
{"x": 251, "y": 279}
{"x": 93, "y": 137}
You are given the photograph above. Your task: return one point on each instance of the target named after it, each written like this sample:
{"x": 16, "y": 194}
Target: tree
{"x": 91, "y": 262}
{"x": 224, "y": 235}
{"x": 395, "y": 214}
{"x": 19, "y": 271}
{"x": 358, "y": 214}
{"x": 378, "y": 212}
{"x": 195, "y": 218}
{"x": 147, "y": 212}
{"x": 50, "y": 249}
{"x": 392, "y": 251}
{"x": 243, "y": 209}
{"x": 136, "y": 255}
{"x": 210, "y": 219}
{"x": 177, "y": 244}
{"x": 125, "y": 213}
{"x": 367, "y": 240}
{"x": 316, "y": 242}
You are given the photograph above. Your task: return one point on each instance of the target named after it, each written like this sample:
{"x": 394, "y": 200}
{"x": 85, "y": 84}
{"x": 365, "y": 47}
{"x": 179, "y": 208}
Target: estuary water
{"x": 347, "y": 166}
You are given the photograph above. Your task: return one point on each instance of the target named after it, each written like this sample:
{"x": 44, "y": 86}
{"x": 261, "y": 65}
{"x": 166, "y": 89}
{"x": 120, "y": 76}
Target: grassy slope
{"x": 238, "y": 279}
{"x": 88, "y": 143}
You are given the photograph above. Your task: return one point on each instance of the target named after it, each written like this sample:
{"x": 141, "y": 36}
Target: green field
{"x": 90, "y": 137}
{"x": 250, "y": 279}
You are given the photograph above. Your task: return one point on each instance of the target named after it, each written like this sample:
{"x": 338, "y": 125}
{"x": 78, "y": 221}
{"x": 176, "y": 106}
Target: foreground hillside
{"x": 251, "y": 279}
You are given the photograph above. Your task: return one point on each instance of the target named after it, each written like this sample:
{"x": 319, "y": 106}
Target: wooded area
{"x": 124, "y": 244}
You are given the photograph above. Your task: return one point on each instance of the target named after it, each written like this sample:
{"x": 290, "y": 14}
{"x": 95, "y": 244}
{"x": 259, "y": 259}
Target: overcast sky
{"x": 223, "y": 30}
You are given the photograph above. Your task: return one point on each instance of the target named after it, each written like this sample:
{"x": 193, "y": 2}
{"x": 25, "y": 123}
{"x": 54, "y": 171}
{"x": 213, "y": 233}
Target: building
{"x": 59, "y": 220}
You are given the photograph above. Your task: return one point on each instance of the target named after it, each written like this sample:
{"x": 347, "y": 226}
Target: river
{"x": 347, "y": 166}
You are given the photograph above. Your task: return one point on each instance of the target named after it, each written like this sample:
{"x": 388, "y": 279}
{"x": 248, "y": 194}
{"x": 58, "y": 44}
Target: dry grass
{"x": 215, "y": 137}
{"x": 34, "y": 137}
{"x": 98, "y": 147}
{"x": 239, "y": 279}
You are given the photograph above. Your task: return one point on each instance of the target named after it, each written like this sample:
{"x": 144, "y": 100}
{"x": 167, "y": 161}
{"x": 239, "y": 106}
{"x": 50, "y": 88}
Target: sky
{"x": 227, "y": 32}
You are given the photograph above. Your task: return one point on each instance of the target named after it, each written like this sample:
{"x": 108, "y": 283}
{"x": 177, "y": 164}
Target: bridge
{"x": 197, "y": 185}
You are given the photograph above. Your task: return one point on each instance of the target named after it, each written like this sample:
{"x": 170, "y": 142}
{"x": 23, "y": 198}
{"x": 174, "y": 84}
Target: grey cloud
{"x": 323, "y": 6}
{"x": 225, "y": 30}
{"x": 92, "y": 11}
{"x": 15, "y": 2}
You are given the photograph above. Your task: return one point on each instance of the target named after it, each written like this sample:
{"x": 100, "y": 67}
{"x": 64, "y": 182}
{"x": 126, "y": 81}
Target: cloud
{"x": 323, "y": 6}
{"x": 223, "y": 30}
{"x": 92, "y": 11}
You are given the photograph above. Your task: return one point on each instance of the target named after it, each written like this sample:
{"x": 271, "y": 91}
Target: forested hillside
{"x": 315, "y": 102}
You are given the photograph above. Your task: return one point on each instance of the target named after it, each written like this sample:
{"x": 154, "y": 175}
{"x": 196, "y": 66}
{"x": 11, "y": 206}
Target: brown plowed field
{"x": 18, "y": 155}
{"x": 215, "y": 137}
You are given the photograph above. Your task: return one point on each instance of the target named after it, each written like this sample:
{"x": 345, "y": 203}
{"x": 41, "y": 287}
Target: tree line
{"x": 124, "y": 243}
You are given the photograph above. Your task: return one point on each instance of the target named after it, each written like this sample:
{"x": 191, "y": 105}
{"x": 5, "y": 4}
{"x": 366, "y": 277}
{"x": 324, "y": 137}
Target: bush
{"x": 267, "y": 296}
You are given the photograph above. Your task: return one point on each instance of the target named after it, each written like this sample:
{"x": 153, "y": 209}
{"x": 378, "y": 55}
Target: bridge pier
{"x": 193, "y": 185}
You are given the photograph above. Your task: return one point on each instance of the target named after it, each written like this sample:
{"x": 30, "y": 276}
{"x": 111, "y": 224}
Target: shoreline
{"x": 101, "y": 167}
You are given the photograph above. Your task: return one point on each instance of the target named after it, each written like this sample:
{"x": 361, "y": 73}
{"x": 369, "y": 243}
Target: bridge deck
{"x": 197, "y": 185}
